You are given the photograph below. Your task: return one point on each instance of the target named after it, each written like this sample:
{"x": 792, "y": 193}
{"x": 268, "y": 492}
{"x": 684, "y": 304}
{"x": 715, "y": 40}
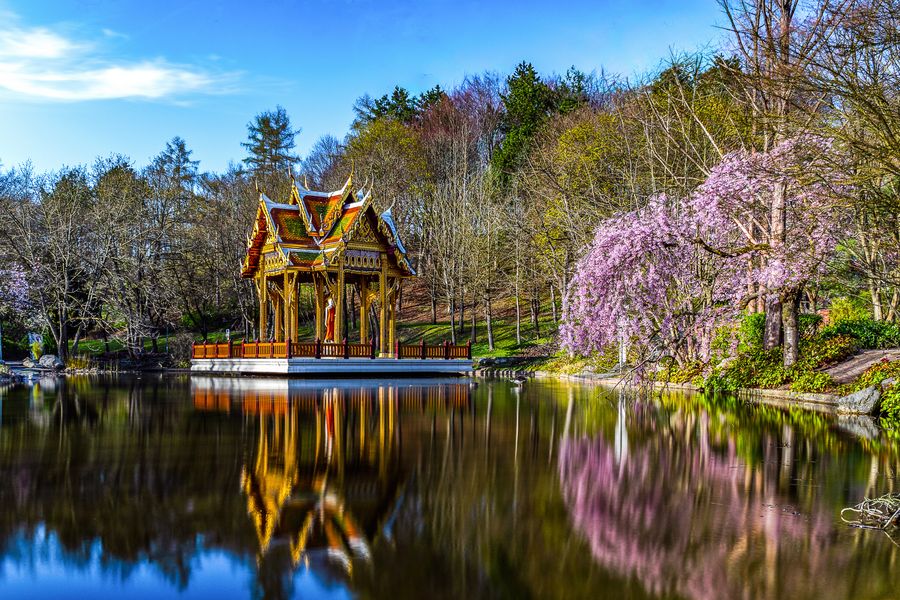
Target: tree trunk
{"x": 452, "y": 310}
{"x": 790, "y": 316}
{"x": 462, "y": 312}
{"x": 518, "y": 320}
{"x": 474, "y": 336}
{"x": 875, "y": 294}
{"x": 553, "y": 303}
{"x": 892, "y": 308}
{"x": 62, "y": 341}
{"x": 772, "y": 334}
{"x": 489, "y": 321}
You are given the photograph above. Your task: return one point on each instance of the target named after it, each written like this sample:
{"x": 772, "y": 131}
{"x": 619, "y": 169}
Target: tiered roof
{"x": 312, "y": 230}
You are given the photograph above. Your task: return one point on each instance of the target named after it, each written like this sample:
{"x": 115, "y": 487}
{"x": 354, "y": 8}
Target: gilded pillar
{"x": 383, "y": 316}
{"x": 392, "y": 321}
{"x": 279, "y": 318}
{"x": 363, "y": 310}
{"x": 320, "y": 307}
{"x": 339, "y": 304}
{"x": 261, "y": 287}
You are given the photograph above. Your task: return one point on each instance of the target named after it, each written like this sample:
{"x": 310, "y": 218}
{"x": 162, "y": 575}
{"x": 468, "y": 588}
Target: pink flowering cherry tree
{"x": 667, "y": 275}
{"x": 13, "y": 296}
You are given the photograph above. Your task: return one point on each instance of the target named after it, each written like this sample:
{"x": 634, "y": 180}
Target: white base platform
{"x": 333, "y": 366}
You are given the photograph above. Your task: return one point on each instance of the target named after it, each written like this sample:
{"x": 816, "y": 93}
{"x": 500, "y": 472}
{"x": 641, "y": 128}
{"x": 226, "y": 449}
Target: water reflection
{"x": 233, "y": 487}
{"x": 703, "y": 505}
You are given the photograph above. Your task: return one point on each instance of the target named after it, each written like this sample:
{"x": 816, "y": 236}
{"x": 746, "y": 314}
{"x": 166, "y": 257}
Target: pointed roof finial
{"x": 305, "y": 182}
{"x": 256, "y": 183}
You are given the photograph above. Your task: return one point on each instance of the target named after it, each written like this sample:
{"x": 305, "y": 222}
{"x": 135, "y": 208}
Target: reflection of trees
{"x": 109, "y": 472}
{"x": 707, "y": 508}
{"x": 437, "y": 489}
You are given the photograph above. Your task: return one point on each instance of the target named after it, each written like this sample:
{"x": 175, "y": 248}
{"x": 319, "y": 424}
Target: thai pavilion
{"x": 327, "y": 240}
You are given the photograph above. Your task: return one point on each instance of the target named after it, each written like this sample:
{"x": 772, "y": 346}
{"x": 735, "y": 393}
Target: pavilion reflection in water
{"x": 325, "y": 478}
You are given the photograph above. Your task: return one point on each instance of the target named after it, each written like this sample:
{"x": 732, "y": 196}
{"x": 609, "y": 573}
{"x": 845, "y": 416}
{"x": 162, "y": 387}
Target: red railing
{"x": 319, "y": 349}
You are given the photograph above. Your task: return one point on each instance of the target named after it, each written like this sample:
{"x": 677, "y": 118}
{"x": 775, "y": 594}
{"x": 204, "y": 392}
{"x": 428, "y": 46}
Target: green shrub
{"x": 847, "y": 309}
{"x": 890, "y": 403}
{"x": 877, "y": 373}
{"x": 37, "y": 350}
{"x": 809, "y": 324}
{"x": 685, "y": 374}
{"x": 868, "y": 332}
{"x": 751, "y": 331}
{"x": 811, "y": 381}
{"x": 823, "y": 350}
{"x": 756, "y": 368}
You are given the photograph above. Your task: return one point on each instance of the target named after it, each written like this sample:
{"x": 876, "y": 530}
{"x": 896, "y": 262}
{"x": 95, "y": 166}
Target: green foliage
{"x": 877, "y": 373}
{"x": 890, "y": 403}
{"x": 685, "y": 374}
{"x": 399, "y": 105}
{"x": 812, "y": 381}
{"x": 757, "y": 368}
{"x": 868, "y": 332}
{"x": 37, "y": 350}
{"x": 809, "y": 324}
{"x": 751, "y": 331}
{"x": 527, "y": 102}
{"x": 847, "y": 309}
{"x": 821, "y": 350}
{"x": 269, "y": 144}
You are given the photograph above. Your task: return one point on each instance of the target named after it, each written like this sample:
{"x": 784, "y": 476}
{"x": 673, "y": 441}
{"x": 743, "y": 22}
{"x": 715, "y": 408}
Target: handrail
{"x": 320, "y": 349}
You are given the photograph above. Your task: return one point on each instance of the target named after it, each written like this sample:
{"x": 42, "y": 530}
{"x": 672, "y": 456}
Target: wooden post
{"x": 423, "y": 347}
{"x": 397, "y": 349}
{"x": 446, "y": 349}
{"x": 469, "y": 349}
{"x": 374, "y": 347}
{"x": 346, "y": 349}
{"x": 318, "y": 347}
{"x": 382, "y": 320}
{"x": 288, "y": 347}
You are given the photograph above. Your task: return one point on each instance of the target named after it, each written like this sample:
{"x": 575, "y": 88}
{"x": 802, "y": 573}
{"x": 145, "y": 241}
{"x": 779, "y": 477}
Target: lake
{"x": 172, "y": 486}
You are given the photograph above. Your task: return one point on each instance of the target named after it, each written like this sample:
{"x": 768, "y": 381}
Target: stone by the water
{"x": 863, "y": 402}
{"x": 51, "y": 361}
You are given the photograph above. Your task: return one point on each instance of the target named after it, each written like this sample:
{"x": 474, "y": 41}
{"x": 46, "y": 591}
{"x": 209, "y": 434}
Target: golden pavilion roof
{"x": 312, "y": 230}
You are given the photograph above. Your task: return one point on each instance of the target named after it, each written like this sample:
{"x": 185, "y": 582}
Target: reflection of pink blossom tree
{"x": 687, "y": 518}
{"x": 666, "y": 274}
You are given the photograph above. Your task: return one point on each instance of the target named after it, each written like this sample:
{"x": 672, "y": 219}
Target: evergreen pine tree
{"x": 270, "y": 141}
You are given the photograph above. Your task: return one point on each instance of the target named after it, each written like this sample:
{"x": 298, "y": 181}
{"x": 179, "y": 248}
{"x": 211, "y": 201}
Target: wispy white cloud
{"x": 39, "y": 63}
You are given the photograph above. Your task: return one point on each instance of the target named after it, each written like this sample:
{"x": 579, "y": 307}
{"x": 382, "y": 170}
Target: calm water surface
{"x": 160, "y": 487}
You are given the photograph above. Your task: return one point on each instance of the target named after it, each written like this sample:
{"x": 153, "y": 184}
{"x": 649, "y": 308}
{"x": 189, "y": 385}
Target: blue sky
{"x": 86, "y": 78}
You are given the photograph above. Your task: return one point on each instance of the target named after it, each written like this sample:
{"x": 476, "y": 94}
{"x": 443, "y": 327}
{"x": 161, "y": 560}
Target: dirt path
{"x": 849, "y": 370}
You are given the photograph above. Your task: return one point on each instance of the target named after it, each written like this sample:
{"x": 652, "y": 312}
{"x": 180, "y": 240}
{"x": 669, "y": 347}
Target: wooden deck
{"x": 330, "y": 359}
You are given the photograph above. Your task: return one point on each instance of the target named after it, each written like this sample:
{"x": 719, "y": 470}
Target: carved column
{"x": 392, "y": 321}
{"x": 383, "y": 316}
{"x": 279, "y": 318}
{"x": 262, "y": 289}
{"x": 320, "y": 306}
{"x": 339, "y": 304}
{"x": 363, "y": 310}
